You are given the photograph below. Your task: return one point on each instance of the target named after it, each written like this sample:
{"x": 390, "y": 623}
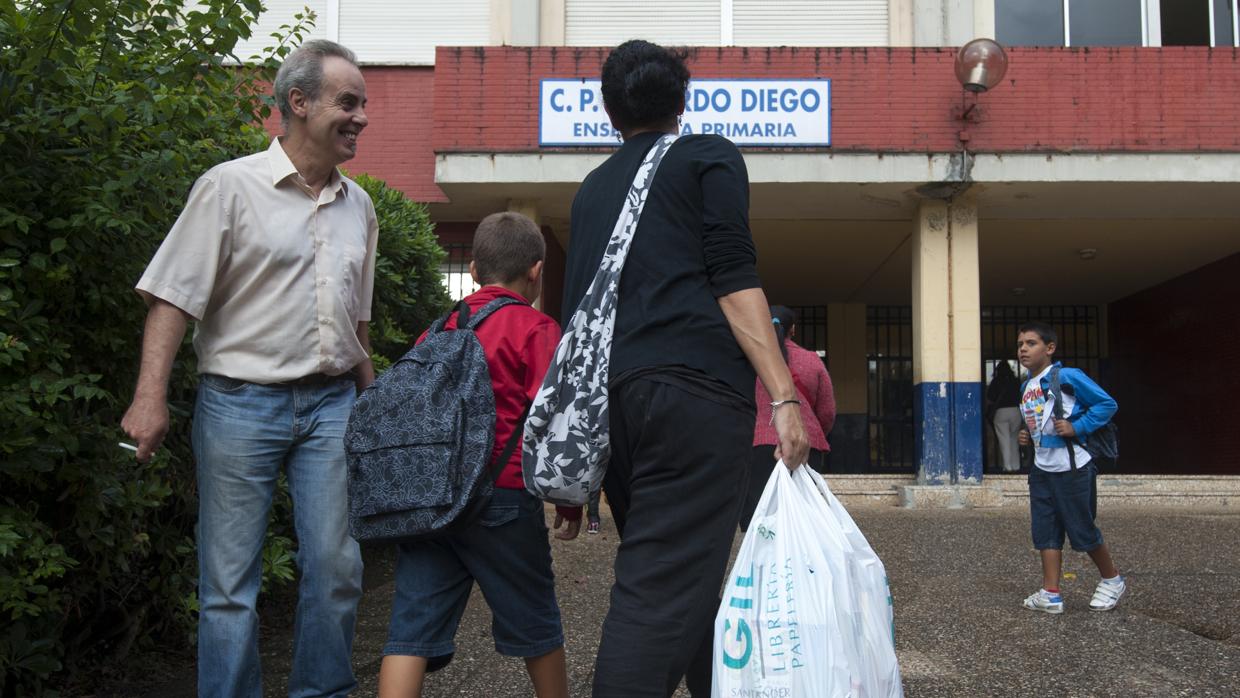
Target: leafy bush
{"x": 407, "y": 275}
{"x": 108, "y": 112}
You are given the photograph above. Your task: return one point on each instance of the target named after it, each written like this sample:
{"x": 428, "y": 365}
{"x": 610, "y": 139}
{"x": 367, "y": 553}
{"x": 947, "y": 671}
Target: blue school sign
{"x": 781, "y": 113}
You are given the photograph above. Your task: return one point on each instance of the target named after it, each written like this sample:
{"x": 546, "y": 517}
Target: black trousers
{"x": 761, "y": 463}
{"x": 675, "y": 482}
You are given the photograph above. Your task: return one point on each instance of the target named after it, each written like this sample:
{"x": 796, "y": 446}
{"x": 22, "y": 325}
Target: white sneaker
{"x": 1107, "y": 595}
{"x": 1043, "y": 600}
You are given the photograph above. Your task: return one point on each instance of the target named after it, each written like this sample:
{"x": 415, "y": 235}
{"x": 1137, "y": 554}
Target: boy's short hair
{"x": 1042, "y": 329}
{"x": 506, "y": 245}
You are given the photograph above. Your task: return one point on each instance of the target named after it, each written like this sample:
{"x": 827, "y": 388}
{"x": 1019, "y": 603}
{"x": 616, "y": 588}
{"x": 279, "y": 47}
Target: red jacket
{"x": 519, "y": 343}
{"x": 815, "y": 392}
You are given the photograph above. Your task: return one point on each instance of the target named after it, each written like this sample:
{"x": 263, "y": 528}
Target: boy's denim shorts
{"x": 1062, "y": 503}
{"x": 508, "y": 554}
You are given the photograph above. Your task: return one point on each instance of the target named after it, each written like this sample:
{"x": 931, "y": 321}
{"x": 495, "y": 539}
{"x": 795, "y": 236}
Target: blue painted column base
{"x": 947, "y": 432}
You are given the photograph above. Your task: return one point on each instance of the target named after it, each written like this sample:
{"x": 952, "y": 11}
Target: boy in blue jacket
{"x": 1063, "y": 496}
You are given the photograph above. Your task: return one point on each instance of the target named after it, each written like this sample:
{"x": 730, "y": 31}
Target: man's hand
{"x": 1064, "y": 428}
{"x": 793, "y": 445}
{"x": 571, "y": 527}
{"x": 1022, "y": 438}
{"x": 146, "y": 422}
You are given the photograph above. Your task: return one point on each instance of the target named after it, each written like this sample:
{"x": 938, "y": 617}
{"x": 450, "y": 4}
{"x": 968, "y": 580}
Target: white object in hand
{"x": 128, "y": 447}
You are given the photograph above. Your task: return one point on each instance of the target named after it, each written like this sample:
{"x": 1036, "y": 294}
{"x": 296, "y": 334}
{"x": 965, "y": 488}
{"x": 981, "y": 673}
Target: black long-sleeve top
{"x": 692, "y": 245}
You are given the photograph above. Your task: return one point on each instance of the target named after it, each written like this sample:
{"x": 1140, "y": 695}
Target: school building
{"x": 913, "y": 224}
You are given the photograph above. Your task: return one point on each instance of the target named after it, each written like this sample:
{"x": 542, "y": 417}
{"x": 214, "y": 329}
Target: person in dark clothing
{"x": 592, "y": 513}
{"x": 1003, "y": 408}
{"x": 691, "y": 329}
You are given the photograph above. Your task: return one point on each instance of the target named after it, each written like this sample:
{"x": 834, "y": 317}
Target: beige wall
{"x": 846, "y": 332}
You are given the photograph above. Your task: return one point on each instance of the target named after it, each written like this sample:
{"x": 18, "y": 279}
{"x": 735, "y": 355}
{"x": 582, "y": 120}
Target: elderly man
{"x": 273, "y": 257}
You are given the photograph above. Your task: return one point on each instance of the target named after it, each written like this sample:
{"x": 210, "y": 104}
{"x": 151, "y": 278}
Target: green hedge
{"x": 109, "y": 109}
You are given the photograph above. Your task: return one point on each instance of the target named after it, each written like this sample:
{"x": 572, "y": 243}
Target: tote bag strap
{"x": 567, "y": 440}
{"x": 626, "y": 224}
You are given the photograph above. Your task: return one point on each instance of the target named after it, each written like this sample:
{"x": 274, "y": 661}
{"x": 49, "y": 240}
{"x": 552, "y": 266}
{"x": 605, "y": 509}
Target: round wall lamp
{"x": 980, "y": 65}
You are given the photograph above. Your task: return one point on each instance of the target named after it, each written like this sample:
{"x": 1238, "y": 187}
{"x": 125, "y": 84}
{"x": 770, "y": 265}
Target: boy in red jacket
{"x": 507, "y": 551}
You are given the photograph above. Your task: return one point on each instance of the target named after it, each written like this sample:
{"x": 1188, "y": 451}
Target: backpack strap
{"x": 437, "y": 325}
{"x": 1057, "y": 412}
{"x": 518, "y": 431}
{"x": 466, "y": 321}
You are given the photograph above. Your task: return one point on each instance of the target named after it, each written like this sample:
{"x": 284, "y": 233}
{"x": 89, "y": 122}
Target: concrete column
{"x": 983, "y": 19}
{"x": 526, "y": 207}
{"x": 899, "y": 22}
{"x": 551, "y": 23}
{"x": 928, "y": 23}
{"x": 850, "y": 439}
{"x": 525, "y": 22}
{"x": 947, "y": 407}
{"x": 941, "y": 22}
{"x": 515, "y": 22}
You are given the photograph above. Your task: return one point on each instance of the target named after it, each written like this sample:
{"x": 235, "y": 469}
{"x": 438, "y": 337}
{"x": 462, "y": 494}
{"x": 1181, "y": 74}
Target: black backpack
{"x": 1103, "y": 444}
{"x": 420, "y": 437}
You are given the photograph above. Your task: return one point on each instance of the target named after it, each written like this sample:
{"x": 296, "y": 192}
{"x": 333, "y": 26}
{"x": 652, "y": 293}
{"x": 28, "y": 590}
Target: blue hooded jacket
{"x": 1093, "y": 408}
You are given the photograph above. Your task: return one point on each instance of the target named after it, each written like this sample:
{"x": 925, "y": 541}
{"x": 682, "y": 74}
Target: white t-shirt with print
{"x": 1036, "y": 408}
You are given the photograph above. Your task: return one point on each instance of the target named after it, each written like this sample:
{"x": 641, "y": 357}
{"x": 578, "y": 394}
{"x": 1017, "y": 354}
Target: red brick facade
{"x": 1175, "y": 353}
{"x": 898, "y": 99}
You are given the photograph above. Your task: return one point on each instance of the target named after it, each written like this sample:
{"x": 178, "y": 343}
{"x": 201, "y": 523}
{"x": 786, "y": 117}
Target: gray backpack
{"x": 420, "y": 438}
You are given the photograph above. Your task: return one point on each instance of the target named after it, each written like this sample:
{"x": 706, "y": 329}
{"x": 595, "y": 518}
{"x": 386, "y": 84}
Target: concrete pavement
{"x": 957, "y": 577}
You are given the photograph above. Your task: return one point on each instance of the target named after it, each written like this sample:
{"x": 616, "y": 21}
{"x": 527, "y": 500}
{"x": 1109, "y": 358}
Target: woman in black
{"x": 692, "y": 327}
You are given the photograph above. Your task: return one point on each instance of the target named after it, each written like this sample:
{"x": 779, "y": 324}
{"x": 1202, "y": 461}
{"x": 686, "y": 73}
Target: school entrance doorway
{"x": 889, "y": 368}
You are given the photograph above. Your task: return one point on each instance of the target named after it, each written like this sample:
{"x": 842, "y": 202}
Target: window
{"x": 1226, "y": 20}
{"x": 1070, "y": 22}
{"x": 455, "y": 271}
{"x": 1198, "y": 22}
{"x": 1117, "y": 22}
{"x": 1104, "y": 22}
{"x": 1029, "y": 22}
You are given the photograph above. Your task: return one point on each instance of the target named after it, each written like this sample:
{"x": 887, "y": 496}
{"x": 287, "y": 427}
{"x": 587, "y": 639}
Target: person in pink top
{"x": 817, "y": 399}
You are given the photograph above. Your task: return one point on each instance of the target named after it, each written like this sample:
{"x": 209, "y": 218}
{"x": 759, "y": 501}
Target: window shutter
{"x": 408, "y": 32}
{"x": 666, "y": 22}
{"x": 810, "y": 22}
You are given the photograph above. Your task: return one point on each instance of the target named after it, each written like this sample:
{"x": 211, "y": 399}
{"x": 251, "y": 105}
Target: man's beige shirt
{"x": 276, "y": 279}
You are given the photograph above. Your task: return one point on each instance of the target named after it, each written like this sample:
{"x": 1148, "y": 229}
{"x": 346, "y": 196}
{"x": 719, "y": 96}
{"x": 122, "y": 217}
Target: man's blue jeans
{"x": 244, "y": 434}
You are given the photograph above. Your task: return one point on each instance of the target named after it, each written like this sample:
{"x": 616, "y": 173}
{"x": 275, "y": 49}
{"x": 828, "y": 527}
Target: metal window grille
{"x": 455, "y": 271}
{"x": 812, "y": 328}
{"x": 1076, "y": 325}
{"x": 889, "y": 354}
{"x": 889, "y": 350}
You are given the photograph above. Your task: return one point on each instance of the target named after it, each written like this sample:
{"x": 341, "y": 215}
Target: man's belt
{"x": 319, "y": 379}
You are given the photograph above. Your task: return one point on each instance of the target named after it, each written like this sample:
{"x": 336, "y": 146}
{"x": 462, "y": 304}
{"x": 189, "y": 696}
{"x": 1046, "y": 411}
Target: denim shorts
{"x": 1064, "y": 503}
{"x": 508, "y": 554}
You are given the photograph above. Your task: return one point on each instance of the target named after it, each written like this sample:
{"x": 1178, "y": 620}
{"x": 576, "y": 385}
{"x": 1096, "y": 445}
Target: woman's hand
{"x": 793, "y": 446}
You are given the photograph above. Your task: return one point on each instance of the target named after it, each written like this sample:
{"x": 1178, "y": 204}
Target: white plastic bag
{"x": 806, "y": 609}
